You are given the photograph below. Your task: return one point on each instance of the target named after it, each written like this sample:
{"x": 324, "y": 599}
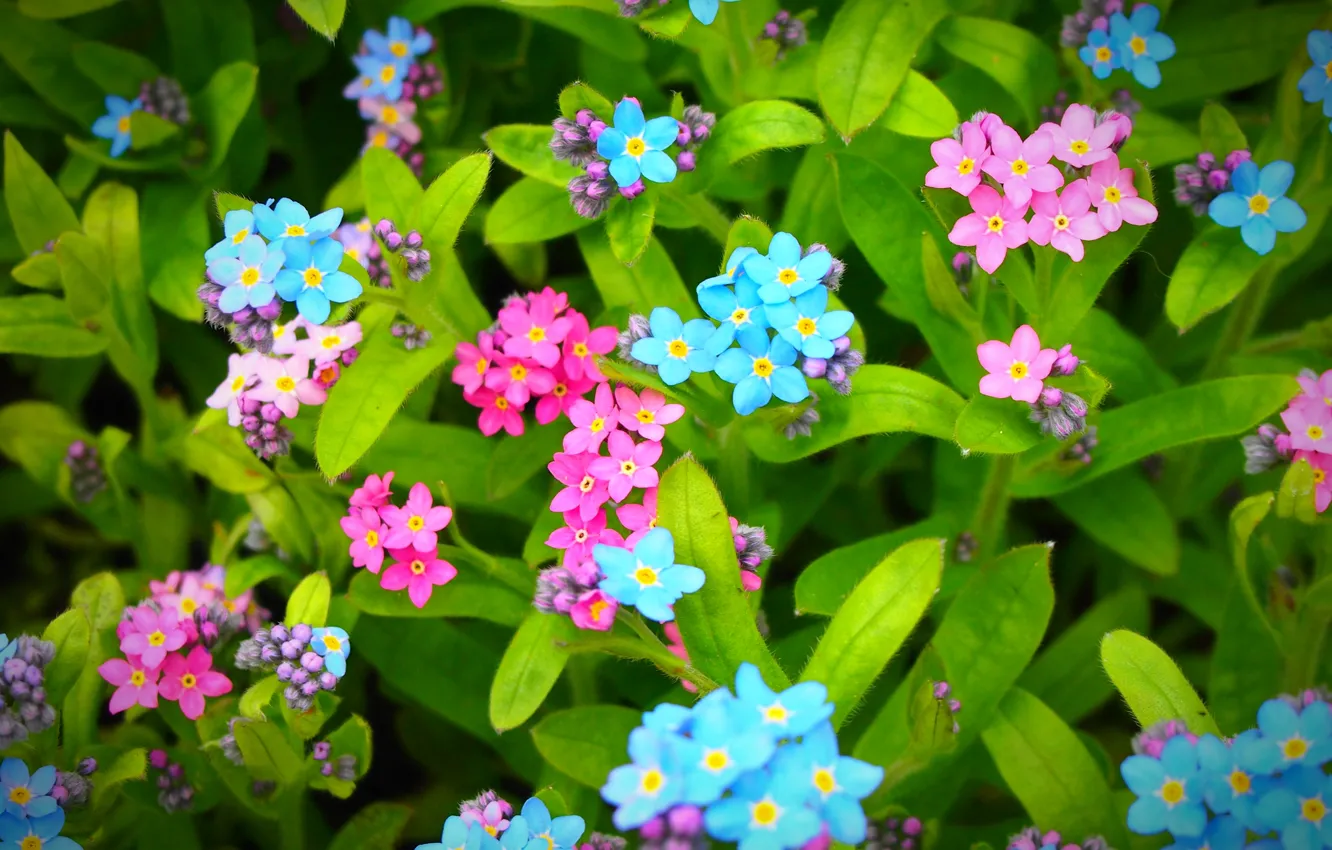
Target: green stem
{"x": 1044, "y": 269}
{"x": 712, "y": 220}
{"x": 663, "y": 657}
{"x": 291, "y": 824}
{"x": 992, "y": 512}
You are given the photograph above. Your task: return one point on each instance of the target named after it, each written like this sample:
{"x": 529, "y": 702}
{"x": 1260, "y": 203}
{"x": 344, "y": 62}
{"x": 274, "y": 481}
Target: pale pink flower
{"x": 959, "y": 163}
{"x": 1017, "y": 370}
{"x": 367, "y": 531}
{"x": 496, "y": 413}
{"x": 1318, "y": 389}
{"x": 993, "y": 228}
{"x": 285, "y": 339}
{"x": 562, "y": 396}
{"x": 639, "y": 519}
{"x": 170, "y": 585}
{"x": 646, "y": 413}
{"x": 1115, "y": 198}
{"x": 395, "y": 118}
{"x": 1064, "y": 220}
{"x": 593, "y": 422}
{"x": 417, "y": 522}
{"x": 134, "y": 684}
{"x": 1310, "y": 426}
{"x": 578, "y": 536}
{"x": 581, "y": 345}
{"x": 989, "y": 123}
{"x": 519, "y": 380}
{"x": 1022, "y": 167}
{"x": 473, "y": 361}
{"x": 629, "y": 465}
{"x": 374, "y": 493}
{"x": 1322, "y": 471}
{"x": 582, "y": 491}
{"x": 326, "y": 343}
{"x": 594, "y": 610}
{"x": 152, "y": 634}
{"x": 420, "y": 572}
{"x": 195, "y": 592}
{"x": 534, "y": 331}
{"x": 241, "y": 373}
{"x": 287, "y": 384}
{"x": 1077, "y": 140}
{"x": 188, "y": 680}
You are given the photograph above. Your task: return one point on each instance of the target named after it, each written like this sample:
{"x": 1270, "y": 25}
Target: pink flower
{"x": 1317, "y": 389}
{"x": 327, "y": 374}
{"x": 959, "y": 164}
{"x": 188, "y": 680}
{"x": 563, "y": 396}
{"x": 995, "y": 226}
{"x": 152, "y": 635}
{"x": 1114, "y": 196}
{"x": 326, "y": 343}
{"x": 374, "y": 493}
{"x": 580, "y": 344}
{"x": 594, "y": 610}
{"x": 582, "y": 490}
{"x": 1123, "y": 128}
{"x": 578, "y": 536}
{"x": 518, "y": 381}
{"x": 496, "y": 413}
{"x": 473, "y": 361}
{"x": 171, "y": 585}
{"x": 1077, "y": 140}
{"x": 1310, "y": 426}
{"x": 1064, "y": 220}
{"x": 418, "y": 571}
{"x": 646, "y": 413}
{"x": 287, "y": 384}
{"x": 593, "y": 423}
{"x": 285, "y": 340}
{"x": 1322, "y": 471}
{"x": 241, "y": 373}
{"x": 196, "y": 591}
{"x": 395, "y": 117}
{"x": 417, "y": 522}
{"x": 628, "y": 466}
{"x": 134, "y": 684}
{"x": 640, "y": 519}
{"x": 1022, "y": 167}
{"x": 367, "y": 532}
{"x": 1017, "y": 370}
{"x": 534, "y": 331}
{"x": 676, "y": 646}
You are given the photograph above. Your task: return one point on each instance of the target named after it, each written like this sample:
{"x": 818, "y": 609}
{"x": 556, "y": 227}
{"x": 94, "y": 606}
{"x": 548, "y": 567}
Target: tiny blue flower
{"x": 378, "y": 76}
{"x": 333, "y": 645}
{"x": 735, "y": 270}
{"x": 248, "y": 279}
{"x": 1316, "y": 84}
{"x": 650, "y": 785}
{"x": 648, "y": 577}
{"x": 722, "y": 746}
{"x": 1299, "y": 808}
{"x": 402, "y": 42}
{"x": 459, "y": 835}
{"x": 668, "y": 717}
{"x": 290, "y": 220}
{"x": 793, "y": 712}
{"x": 807, "y": 325}
{"x": 1100, "y": 54}
{"x": 311, "y": 278}
{"x": 676, "y": 348}
{"x": 237, "y": 226}
{"x": 23, "y": 795}
{"x": 1141, "y": 47}
{"x": 115, "y": 124}
{"x": 1301, "y": 738}
{"x": 783, "y": 274}
{"x": 834, "y": 783}
{"x": 735, "y": 309}
{"x": 43, "y": 832}
{"x": 1169, "y": 791}
{"x": 635, "y": 147}
{"x": 7, "y": 648}
{"x": 535, "y": 830}
{"x": 1257, "y": 205}
{"x": 1235, "y": 774}
{"x": 761, "y": 368}
{"x": 764, "y": 812}
{"x": 705, "y": 10}
{"x": 1223, "y": 833}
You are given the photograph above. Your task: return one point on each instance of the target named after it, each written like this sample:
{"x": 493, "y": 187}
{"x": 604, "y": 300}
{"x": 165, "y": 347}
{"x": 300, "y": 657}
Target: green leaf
{"x": 588, "y": 742}
{"x": 221, "y": 106}
{"x": 1017, "y": 60}
{"x": 71, "y": 633}
{"x": 40, "y": 271}
{"x": 1244, "y": 520}
{"x": 1160, "y": 140}
{"x": 716, "y": 622}
{"x": 61, "y": 8}
{"x": 391, "y": 189}
{"x": 1247, "y": 665}
{"x": 129, "y": 765}
{"x": 1295, "y": 496}
{"x": 874, "y": 622}
{"x": 116, "y": 71}
{"x": 225, "y": 202}
{"x": 1213, "y": 270}
{"x": 269, "y": 754}
{"x": 251, "y": 572}
{"x": 470, "y": 594}
{"x": 259, "y": 696}
{"x": 1121, "y": 357}
{"x": 762, "y": 125}
{"x": 101, "y": 598}
{"x": 582, "y": 96}
{"x": 532, "y": 211}
{"x": 529, "y": 669}
{"x": 649, "y": 283}
{"x": 526, "y": 148}
{"x": 148, "y": 130}
{"x": 629, "y": 227}
{"x": 375, "y": 827}
{"x": 866, "y": 56}
{"x": 40, "y": 325}
{"x": 323, "y": 16}
{"x": 219, "y": 454}
{"x": 942, "y": 290}
{"x": 1152, "y": 684}
{"x": 745, "y": 232}
{"x": 308, "y": 603}
{"x": 38, "y": 210}
{"x": 84, "y": 270}
{"x": 1219, "y": 131}
{"x": 111, "y": 217}
{"x": 41, "y": 54}
{"x": 517, "y": 459}
{"x": 1124, "y": 513}
{"x": 920, "y": 109}
{"x": 995, "y": 426}
{"x": 449, "y": 200}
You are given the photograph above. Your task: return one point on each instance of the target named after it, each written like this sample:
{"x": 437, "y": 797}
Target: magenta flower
{"x": 562, "y": 397}
{"x": 496, "y": 413}
{"x": 581, "y": 344}
{"x": 1022, "y": 167}
{"x": 417, "y": 522}
{"x": 628, "y": 466}
{"x": 1322, "y": 470}
{"x": 1077, "y": 140}
{"x": 534, "y": 331}
{"x": 646, "y": 413}
{"x": 1317, "y": 389}
{"x": 578, "y": 536}
{"x": 473, "y": 361}
{"x": 994, "y": 226}
{"x": 582, "y": 491}
{"x": 1310, "y": 425}
{"x": 420, "y": 572}
{"x": 518, "y": 381}
{"x": 594, "y": 610}
{"x": 1115, "y": 198}
{"x": 241, "y": 373}
{"x": 367, "y": 532}
{"x": 326, "y": 343}
{"x": 1064, "y": 220}
{"x": 151, "y": 635}
{"x": 959, "y": 163}
{"x": 187, "y": 680}
{"x": 287, "y": 384}
{"x": 374, "y": 493}
{"x": 1017, "y": 370}
{"x": 639, "y": 519}
{"x": 593, "y": 422}
{"x": 135, "y": 685}
{"x": 489, "y": 810}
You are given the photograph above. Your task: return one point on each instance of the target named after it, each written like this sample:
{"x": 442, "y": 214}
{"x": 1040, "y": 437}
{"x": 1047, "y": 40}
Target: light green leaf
{"x": 308, "y": 603}
{"x": 529, "y": 669}
{"x": 251, "y": 572}
{"x": 517, "y": 459}
{"x": 71, "y": 633}
{"x": 1247, "y": 665}
{"x": 449, "y": 200}
{"x": 1152, "y": 684}
{"x": 920, "y": 109}
{"x": 582, "y": 96}
{"x": 1125, "y": 514}
{"x": 259, "y": 696}
{"x": 762, "y": 125}
{"x": 323, "y": 16}
{"x": 111, "y": 217}
{"x": 38, "y": 210}
{"x": 1120, "y": 356}
{"x": 40, "y": 325}
{"x": 526, "y": 148}
{"x": 471, "y": 594}
{"x": 629, "y": 227}
{"x": 225, "y": 202}
{"x": 1213, "y": 270}
{"x": 269, "y": 754}
{"x": 61, "y": 8}
{"x": 1160, "y": 140}
{"x": 375, "y": 827}
{"x": 532, "y": 211}
{"x": 995, "y": 426}
{"x": 391, "y": 189}
{"x": 219, "y": 454}
{"x": 1016, "y": 59}
{"x": 41, "y": 54}
{"x": 651, "y": 282}
{"x": 101, "y": 597}
{"x": 1219, "y": 131}
{"x": 148, "y": 130}
{"x": 84, "y": 269}
{"x": 40, "y": 271}
{"x": 588, "y": 742}
{"x": 942, "y": 290}
{"x": 1244, "y": 520}
{"x": 221, "y": 107}
{"x": 1295, "y": 496}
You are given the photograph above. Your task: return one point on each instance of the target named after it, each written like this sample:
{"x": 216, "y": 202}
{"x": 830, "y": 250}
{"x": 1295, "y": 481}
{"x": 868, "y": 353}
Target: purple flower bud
{"x": 1066, "y": 362}
{"x": 814, "y": 367}
{"x": 312, "y": 662}
{"x": 349, "y": 356}
{"x": 598, "y": 170}
{"x": 270, "y": 311}
{"x": 1237, "y": 158}
{"x": 1051, "y": 397}
{"x": 269, "y": 653}
{"x": 87, "y": 767}
{"x": 686, "y": 161}
{"x": 912, "y": 826}
{"x": 284, "y": 671}
{"x": 683, "y": 137}
{"x": 250, "y": 406}
{"x": 393, "y": 241}
{"x": 941, "y": 690}
{"x": 299, "y": 677}
{"x": 685, "y": 821}
{"x": 1205, "y": 161}
{"x": 771, "y": 29}
{"x": 383, "y": 228}
{"x": 302, "y": 632}
{"x": 279, "y": 633}
{"x": 310, "y": 688}
{"x": 633, "y": 190}
{"x": 328, "y": 681}
{"x": 326, "y": 769}
{"x": 585, "y": 117}
{"x": 595, "y": 129}
{"x": 413, "y": 240}
{"x": 158, "y": 759}
{"x": 270, "y": 412}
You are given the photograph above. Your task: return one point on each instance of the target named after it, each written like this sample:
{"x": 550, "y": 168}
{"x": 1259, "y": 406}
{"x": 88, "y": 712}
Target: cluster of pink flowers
{"x": 1018, "y": 370}
{"x": 167, "y": 640}
{"x": 1309, "y": 418}
{"x": 1062, "y": 201}
{"x": 540, "y": 348}
{"x": 409, "y": 534}
{"x": 261, "y": 389}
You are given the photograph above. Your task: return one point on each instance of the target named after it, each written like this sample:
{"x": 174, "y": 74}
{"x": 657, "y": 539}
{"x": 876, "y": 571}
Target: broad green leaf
{"x": 375, "y": 827}
{"x": 649, "y": 283}
{"x": 874, "y": 622}
{"x": 35, "y": 435}
{"x": 1219, "y": 131}
{"x": 71, "y": 633}
{"x": 526, "y": 148}
{"x": 716, "y": 622}
{"x": 1084, "y": 382}
{"x": 251, "y": 572}
{"x": 817, "y": 218}
{"x": 40, "y": 271}
{"x": 219, "y": 454}
{"x": 307, "y": 724}
{"x": 1244, "y": 520}
{"x": 746, "y": 232}
{"x": 61, "y": 8}
{"x": 128, "y": 765}
{"x": 1160, "y": 140}
{"x": 38, "y": 210}
{"x": 582, "y": 96}
{"x": 1120, "y": 356}
{"x": 111, "y": 217}
{"x": 351, "y": 738}
{"x": 995, "y": 426}
{"x": 148, "y": 130}
{"x": 1214, "y": 269}
{"x": 867, "y": 55}
{"x": 323, "y": 16}
{"x": 588, "y": 742}
{"x": 1151, "y": 683}
{"x": 762, "y": 125}
{"x": 529, "y": 669}
{"x": 1023, "y": 64}
{"x": 532, "y": 211}
{"x": 920, "y": 109}
{"x": 41, "y": 53}
{"x": 1295, "y": 496}
{"x": 825, "y": 584}
{"x": 308, "y": 603}
{"x": 222, "y": 105}
{"x": 391, "y": 189}
{"x": 269, "y": 754}
{"x": 629, "y": 227}
{"x": 101, "y": 598}
{"x": 225, "y": 202}
{"x": 517, "y": 459}
{"x": 85, "y": 271}
{"x": 40, "y": 325}
{"x": 449, "y": 200}
{"x": 114, "y": 70}
{"x": 1125, "y": 514}
{"x": 942, "y": 290}
{"x": 470, "y": 595}
{"x": 1247, "y": 666}
{"x": 259, "y": 696}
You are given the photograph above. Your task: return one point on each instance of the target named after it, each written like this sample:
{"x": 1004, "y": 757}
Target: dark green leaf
{"x": 40, "y": 271}
{"x": 1247, "y": 666}
{"x": 1220, "y": 132}
{"x": 650, "y": 283}
{"x": 762, "y": 125}
{"x": 586, "y": 743}
{"x": 629, "y": 227}
{"x": 942, "y": 290}
{"x": 40, "y": 325}
{"x": 376, "y": 827}
{"x": 219, "y": 454}
{"x": 148, "y": 130}
{"x": 449, "y": 200}
{"x": 391, "y": 190}
{"x": 1151, "y": 683}
{"x": 222, "y": 105}
{"x": 42, "y": 54}
{"x": 37, "y": 209}
{"x": 258, "y": 697}
{"x": 582, "y": 96}
{"x": 529, "y": 669}
{"x": 517, "y": 459}
{"x": 1212, "y": 272}
{"x": 469, "y": 595}
{"x": 61, "y": 8}
{"x": 1016, "y": 59}
{"x": 1244, "y": 520}
{"x": 269, "y": 754}
{"x": 84, "y": 269}
{"x": 995, "y": 426}
{"x": 1124, "y": 513}
{"x": 116, "y": 71}
{"x": 1295, "y": 496}
{"x": 251, "y": 572}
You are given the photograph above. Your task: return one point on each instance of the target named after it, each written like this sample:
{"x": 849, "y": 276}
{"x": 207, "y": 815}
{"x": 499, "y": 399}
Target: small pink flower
{"x": 396, "y": 117}
{"x": 135, "y": 685}
{"x": 188, "y": 680}
{"x": 628, "y": 466}
{"x": 582, "y": 491}
{"x": 494, "y": 816}
{"x": 473, "y": 361}
{"x": 581, "y": 344}
{"x": 959, "y": 163}
{"x": 549, "y": 299}
{"x": 1064, "y": 220}
{"x": 241, "y": 374}
{"x": 646, "y": 413}
{"x": 195, "y": 592}
{"x": 1310, "y": 425}
{"x": 1114, "y": 196}
{"x": 152, "y": 635}
{"x": 171, "y": 585}
{"x": 994, "y": 227}
{"x": 595, "y": 611}
{"x": 1318, "y": 389}
{"x": 327, "y": 374}
{"x": 593, "y": 422}
{"x": 563, "y": 396}
{"x": 1077, "y": 140}
{"x": 519, "y": 380}
{"x": 285, "y": 338}
{"x": 640, "y": 519}
{"x": 417, "y": 522}
{"x": 578, "y": 536}
{"x": 496, "y": 413}
{"x": 534, "y": 331}
{"x": 1322, "y": 470}
{"x": 1017, "y": 370}
{"x": 367, "y": 532}
{"x": 326, "y": 343}
{"x": 1022, "y": 167}
{"x": 989, "y": 123}
{"x": 374, "y": 493}
{"x": 287, "y": 384}
{"x": 418, "y": 571}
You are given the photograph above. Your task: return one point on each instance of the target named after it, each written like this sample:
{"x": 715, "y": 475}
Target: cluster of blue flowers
{"x": 769, "y": 311}
{"x": 1267, "y": 781}
{"x": 298, "y": 262}
{"x": 30, "y": 816}
{"x": 1316, "y": 84}
{"x": 763, "y": 767}
{"x": 484, "y": 825}
{"x": 391, "y": 78}
{"x": 1257, "y": 204}
{"x": 1132, "y": 43}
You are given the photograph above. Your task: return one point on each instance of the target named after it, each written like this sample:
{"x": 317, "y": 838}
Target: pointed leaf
{"x": 588, "y": 742}
{"x": 1152, "y": 684}
{"x": 323, "y": 16}
{"x": 529, "y": 669}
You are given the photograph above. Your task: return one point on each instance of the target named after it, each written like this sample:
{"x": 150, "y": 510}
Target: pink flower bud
{"x": 685, "y": 161}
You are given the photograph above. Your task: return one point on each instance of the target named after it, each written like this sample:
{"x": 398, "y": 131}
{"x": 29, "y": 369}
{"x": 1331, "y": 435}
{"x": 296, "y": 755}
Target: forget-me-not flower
{"x": 807, "y": 325}
{"x": 1257, "y": 204}
{"x": 734, "y": 309}
{"x": 1099, "y": 54}
{"x": 761, "y": 368}
{"x": 378, "y": 75}
{"x": 290, "y": 220}
{"x": 676, "y": 348}
{"x": 1235, "y": 773}
{"x": 783, "y": 274}
{"x": 636, "y": 147}
{"x": 402, "y": 41}
{"x": 1141, "y": 47}
{"x": 735, "y": 269}
{"x": 1302, "y": 737}
{"x": 835, "y": 783}
{"x": 1169, "y": 791}
{"x": 534, "y": 829}
{"x": 649, "y": 785}
{"x": 42, "y": 832}
{"x": 311, "y": 278}
{"x": 1316, "y": 84}
{"x": 705, "y": 10}
{"x": 668, "y": 717}
{"x": 237, "y": 226}
{"x": 793, "y": 712}
{"x": 1222, "y": 833}
{"x": 764, "y": 812}
{"x": 1300, "y": 808}
{"x": 115, "y": 124}
{"x": 648, "y": 577}
{"x": 721, "y": 747}
{"x": 458, "y": 834}
{"x": 23, "y": 795}
{"x": 7, "y": 648}
{"x": 248, "y": 278}
{"x": 333, "y": 645}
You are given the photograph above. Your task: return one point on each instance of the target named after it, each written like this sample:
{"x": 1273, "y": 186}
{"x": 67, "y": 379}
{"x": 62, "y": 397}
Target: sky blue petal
{"x": 788, "y": 384}
{"x": 12, "y": 827}
{"x": 341, "y": 287}
{"x": 273, "y": 261}
{"x": 655, "y": 604}
{"x": 236, "y": 221}
{"x": 336, "y": 664}
{"x": 1229, "y": 209}
{"x": 120, "y": 144}
{"x": 297, "y": 253}
{"x": 629, "y": 118}
{"x": 656, "y": 549}
{"x": 814, "y": 267}
{"x": 836, "y": 324}
{"x": 752, "y": 751}
{"x": 566, "y": 830}
{"x": 377, "y": 43}
{"x": 1101, "y": 70}
{"x": 1160, "y": 46}
{"x": 1259, "y": 234}
{"x": 517, "y": 835}
{"x": 738, "y": 257}
{"x": 760, "y": 269}
{"x": 783, "y": 315}
{"x": 13, "y": 773}
{"x": 1316, "y": 721}
{"x": 746, "y": 291}
{"x": 660, "y": 133}
{"x": 336, "y": 632}
{"x": 665, "y": 324}
{"x": 233, "y": 298}
{"x": 1319, "y": 45}
{"x": 611, "y": 143}
{"x": 750, "y": 394}
{"x": 683, "y": 578}
{"x": 1145, "y": 18}
{"x": 536, "y": 814}
{"x": 1187, "y": 819}
{"x": 799, "y": 825}
{"x": 782, "y": 352}
{"x": 1213, "y": 754}
{"x": 791, "y": 337}
{"x": 105, "y": 127}
{"x": 226, "y": 270}
{"x": 673, "y": 371}
{"x": 714, "y": 281}
{"x": 261, "y": 294}
{"x": 815, "y": 346}
{"x": 621, "y": 588}
{"x": 734, "y": 366}
{"x": 313, "y": 305}
{"x": 719, "y": 302}
{"x": 625, "y": 170}
{"x": 1277, "y": 807}
{"x": 253, "y": 251}
{"x": 47, "y": 826}
{"x": 1244, "y": 179}
{"x": 1120, "y": 28}
{"x": 224, "y": 248}
{"x": 701, "y": 359}
{"x": 658, "y": 167}
{"x": 1147, "y": 816}
{"x": 774, "y": 293}
{"x": 729, "y": 819}
{"x": 704, "y": 10}
{"x": 291, "y": 212}
{"x": 802, "y": 286}
{"x": 649, "y": 350}
{"x": 288, "y": 284}
{"x": 613, "y": 560}
{"x": 421, "y": 43}
{"x": 268, "y": 223}
{"x": 326, "y": 254}
{"x": 753, "y": 340}
{"x": 1286, "y": 215}
{"x": 324, "y": 223}
{"x": 813, "y": 303}
{"x": 858, "y": 778}
{"x": 1180, "y": 757}
{"x": 1312, "y": 85}
{"x": 1274, "y": 179}
{"x": 696, "y": 332}
{"x": 1147, "y": 72}
{"x": 846, "y": 819}
{"x": 668, "y": 717}
{"x": 784, "y": 250}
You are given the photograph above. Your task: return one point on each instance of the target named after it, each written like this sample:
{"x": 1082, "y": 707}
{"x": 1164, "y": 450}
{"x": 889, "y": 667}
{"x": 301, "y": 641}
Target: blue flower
{"x": 248, "y": 279}
{"x": 115, "y": 124}
{"x": 379, "y": 76}
{"x": 1300, "y": 808}
{"x": 705, "y": 10}
{"x": 650, "y": 785}
{"x": 635, "y": 147}
{"x": 721, "y": 747}
{"x": 648, "y": 577}
{"x": 1099, "y": 54}
{"x": 764, "y": 812}
{"x": 1316, "y": 84}
{"x": 459, "y": 835}
{"x": 807, "y": 325}
{"x": 668, "y": 717}
{"x": 1223, "y": 833}
{"x": 236, "y": 228}
{"x": 735, "y": 271}
{"x": 676, "y": 348}
{"x": 793, "y": 712}
{"x": 783, "y": 274}
{"x": 735, "y": 309}
{"x": 23, "y": 795}
{"x": 1303, "y": 738}
{"x": 14, "y": 832}
{"x": 7, "y": 648}
{"x": 290, "y": 220}
{"x": 1169, "y": 791}
{"x": 1140, "y": 45}
{"x": 1257, "y": 205}
{"x": 311, "y": 278}
{"x": 1234, "y": 774}
{"x": 333, "y": 645}
{"x": 834, "y": 783}
{"x": 403, "y": 41}
{"x": 535, "y": 830}
{"x": 761, "y": 368}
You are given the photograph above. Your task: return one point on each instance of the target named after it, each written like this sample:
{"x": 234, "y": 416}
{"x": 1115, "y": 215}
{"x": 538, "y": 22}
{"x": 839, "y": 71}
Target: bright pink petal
{"x": 995, "y": 356}
{"x": 1045, "y": 203}
{"x": 396, "y": 577}
{"x": 1045, "y": 178}
{"x": 1014, "y": 233}
{"x": 125, "y": 696}
{"x": 990, "y": 253}
{"x": 645, "y": 476}
{"x": 1039, "y": 366}
{"x": 1040, "y": 230}
{"x": 419, "y": 590}
{"x": 1006, "y": 143}
{"x": 1028, "y": 389}
{"x": 974, "y": 143}
{"x": 438, "y": 517}
{"x": 1078, "y": 121}
{"x": 1037, "y": 149}
{"x": 440, "y": 572}
{"x": 619, "y": 487}
{"x": 116, "y": 671}
{"x": 996, "y": 386}
{"x": 968, "y": 230}
{"x": 1110, "y": 217}
{"x": 1137, "y": 211}
{"x": 1086, "y": 227}
{"x": 1025, "y": 345}
{"x": 985, "y": 200}
{"x": 192, "y": 703}
{"x": 947, "y": 153}
{"x": 1075, "y": 200}
{"x": 213, "y": 684}
{"x": 1064, "y": 241}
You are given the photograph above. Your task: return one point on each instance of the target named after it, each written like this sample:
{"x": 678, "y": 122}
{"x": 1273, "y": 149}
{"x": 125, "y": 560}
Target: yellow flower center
{"x": 188, "y": 680}
{"x": 628, "y": 467}
{"x": 156, "y": 639}
{"x": 763, "y": 367}
{"x": 806, "y": 327}
{"x": 1293, "y": 748}
{"x": 20, "y": 794}
{"x": 995, "y": 224}
{"x": 596, "y": 425}
{"x": 32, "y": 842}
{"x": 417, "y": 567}
{"x": 1061, "y": 222}
{"x": 294, "y": 230}
{"x": 331, "y": 341}
{"x": 482, "y": 365}
{"x": 596, "y": 609}
{"x": 416, "y": 523}
{"x": 1313, "y": 810}
{"x": 775, "y": 713}
{"x": 286, "y": 383}
{"x": 332, "y": 644}
{"x": 536, "y": 334}
{"x": 559, "y": 391}
{"x": 1103, "y": 54}
{"x": 501, "y": 403}
{"x": 363, "y": 225}
{"x": 1240, "y": 782}
{"x": 230, "y": 605}
{"x": 372, "y": 538}
{"x": 635, "y": 147}
{"x": 646, "y": 576}
{"x": 739, "y": 316}
{"x": 587, "y": 484}
{"x": 278, "y": 331}
{"x": 313, "y": 278}
{"x": 379, "y": 139}
{"x": 1018, "y": 370}
{"x": 1314, "y": 432}
{"x": 580, "y": 536}
{"x": 398, "y": 49}
{"x": 764, "y": 812}
{"x": 187, "y": 606}
{"x": 716, "y": 760}
{"x": 137, "y": 678}
{"x": 1079, "y": 147}
{"x": 1112, "y": 194}
{"x": 1327, "y": 69}
{"x": 1172, "y": 792}
{"x": 824, "y": 781}
{"x": 389, "y": 115}
{"x": 249, "y": 277}
{"x": 1319, "y": 476}
{"x": 1138, "y": 45}
{"x": 1020, "y": 166}
{"x": 580, "y": 349}
{"x": 387, "y": 74}
{"x": 788, "y": 276}
{"x": 238, "y": 383}
{"x": 123, "y": 125}
{"x": 652, "y": 781}
{"x": 966, "y": 166}
{"x": 240, "y": 236}
{"x": 1259, "y": 204}
{"x": 645, "y": 416}
{"x": 677, "y": 348}
{"x": 518, "y": 372}
{"x": 492, "y": 830}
